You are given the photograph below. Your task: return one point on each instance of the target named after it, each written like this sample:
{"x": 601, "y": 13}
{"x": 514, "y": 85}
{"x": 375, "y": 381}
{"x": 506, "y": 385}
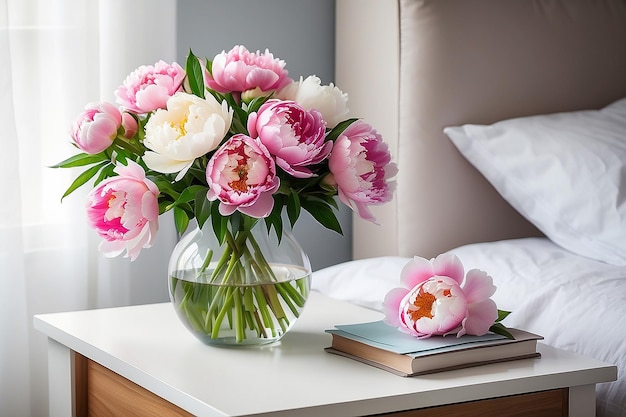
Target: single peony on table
{"x": 225, "y": 143}
{"x": 437, "y": 298}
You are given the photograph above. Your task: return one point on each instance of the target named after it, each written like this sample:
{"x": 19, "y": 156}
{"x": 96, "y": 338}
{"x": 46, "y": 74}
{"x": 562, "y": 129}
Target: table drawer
{"x": 553, "y": 403}
{"x": 101, "y": 392}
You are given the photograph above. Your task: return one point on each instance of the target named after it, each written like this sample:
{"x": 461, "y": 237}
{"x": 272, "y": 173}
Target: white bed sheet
{"x": 576, "y": 303}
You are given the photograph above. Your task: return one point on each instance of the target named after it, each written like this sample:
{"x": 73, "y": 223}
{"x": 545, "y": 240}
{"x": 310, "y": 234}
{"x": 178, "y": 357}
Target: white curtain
{"x": 56, "y": 56}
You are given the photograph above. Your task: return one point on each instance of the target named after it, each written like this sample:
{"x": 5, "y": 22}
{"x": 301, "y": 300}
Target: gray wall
{"x": 301, "y": 32}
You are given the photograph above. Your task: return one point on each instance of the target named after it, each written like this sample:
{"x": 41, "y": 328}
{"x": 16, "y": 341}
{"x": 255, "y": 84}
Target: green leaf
{"x": 218, "y": 96}
{"x": 219, "y": 222}
{"x": 189, "y": 194}
{"x": 181, "y": 220}
{"x": 162, "y": 206}
{"x": 163, "y": 184}
{"x": 238, "y": 124}
{"x": 105, "y": 173}
{"x": 328, "y": 198}
{"x": 195, "y": 75}
{"x": 198, "y": 174}
{"x": 83, "y": 178}
{"x": 337, "y": 130}
{"x": 323, "y": 213}
{"x": 498, "y": 328}
{"x": 275, "y": 218}
{"x": 202, "y": 206}
{"x": 240, "y": 119}
{"x": 81, "y": 159}
{"x": 293, "y": 207}
{"x": 236, "y": 222}
{"x": 502, "y": 315}
{"x": 256, "y": 103}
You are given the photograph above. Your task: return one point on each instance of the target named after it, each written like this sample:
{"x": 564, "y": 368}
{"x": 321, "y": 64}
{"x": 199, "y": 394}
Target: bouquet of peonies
{"x": 233, "y": 140}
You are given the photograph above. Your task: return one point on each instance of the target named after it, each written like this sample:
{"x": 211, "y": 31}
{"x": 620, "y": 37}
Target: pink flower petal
{"x": 242, "y": 175}
{"x": 360, "y": 164}
{"x": 416, "y": 271}
{"x": 478, "y": 286}
{"x": 391, "y": 306}
{"x": 449, "y": 265}
{"x": 239, "y": 70}
{"x": 149, "y": 207}
{"x": 294, "y": 136}
{"x": 124, "y": 210}
{"x": 227, "y": 209}
{"x": 149, "y": 86}
{"x": 480, "y": 317}
{"x": 262, "y": 207}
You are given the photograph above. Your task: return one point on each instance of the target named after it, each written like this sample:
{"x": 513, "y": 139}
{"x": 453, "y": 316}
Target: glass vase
{"x": 248, "y": 290}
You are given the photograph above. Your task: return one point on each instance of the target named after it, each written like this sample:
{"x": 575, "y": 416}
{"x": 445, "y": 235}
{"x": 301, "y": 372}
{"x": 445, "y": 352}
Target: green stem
{"x": 194, "y": 316}
{"x": 220, "y": 264}
{"x": 205, "y": 264}
{"x": 213, "y": 306}
{"x": 240, "y": 320}
{"x": 127, "y": 144}
{"x": 259, "y": 324}
{"x": 293, "y": 293}
{"x": 260, "y": 259}
{"x": 286, "y": 297}
{"x": 228, "y": 300}
{"x": 248, "y": 299}
{"x": 273, "y": 301}
{"x": 244, "y": 289}
{"x": 265, "y": 314}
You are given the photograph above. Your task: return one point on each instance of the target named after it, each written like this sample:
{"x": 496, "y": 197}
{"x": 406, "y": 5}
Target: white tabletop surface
{"x": 149, "y": 346}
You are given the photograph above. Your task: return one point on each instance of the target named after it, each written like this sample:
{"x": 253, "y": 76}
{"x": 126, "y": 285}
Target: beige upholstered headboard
{"x": 412, "y": 67}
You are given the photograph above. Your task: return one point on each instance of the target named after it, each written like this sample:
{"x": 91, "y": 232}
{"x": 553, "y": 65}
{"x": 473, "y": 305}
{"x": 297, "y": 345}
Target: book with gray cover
{"x": 385, "y": 347}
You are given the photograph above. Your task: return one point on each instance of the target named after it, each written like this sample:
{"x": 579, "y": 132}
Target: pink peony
{"x": 129, "y": 123}
{"x": 240, "y": 70}
{"x": 360, "y": 167}
{"x": 124, "y": 211}
{"x": 96, "y": 127}
{"x": 293, "y": 135}
{"x": 433, "y": 302}
{"x": 149, "y": 87}
{"x": 242, "y": 175}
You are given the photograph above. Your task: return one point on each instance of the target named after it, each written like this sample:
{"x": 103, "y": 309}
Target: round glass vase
{"x": 246, "y": 291}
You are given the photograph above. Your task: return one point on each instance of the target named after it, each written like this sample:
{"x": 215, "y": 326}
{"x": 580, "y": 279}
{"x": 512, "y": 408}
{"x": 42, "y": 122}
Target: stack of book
{"x": 385, "y": 347}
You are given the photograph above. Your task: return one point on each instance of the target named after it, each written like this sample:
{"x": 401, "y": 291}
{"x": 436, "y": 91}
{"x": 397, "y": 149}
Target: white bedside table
{"x": 141, "y": 358}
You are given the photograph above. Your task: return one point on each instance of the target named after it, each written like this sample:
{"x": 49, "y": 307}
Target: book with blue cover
{"x": 385, "y": 347}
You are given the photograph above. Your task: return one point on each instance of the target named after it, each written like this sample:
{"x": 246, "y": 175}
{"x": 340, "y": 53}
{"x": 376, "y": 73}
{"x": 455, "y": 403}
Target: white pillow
{"x": 565, "y": 172}
{"x": 363, "y": 282}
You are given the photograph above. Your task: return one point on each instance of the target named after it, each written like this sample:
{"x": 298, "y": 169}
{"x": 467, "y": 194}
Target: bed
{"x": 507, "y": 119}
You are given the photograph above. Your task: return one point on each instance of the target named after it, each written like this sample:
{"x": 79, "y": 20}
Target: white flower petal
{"x": 160, "y": 163}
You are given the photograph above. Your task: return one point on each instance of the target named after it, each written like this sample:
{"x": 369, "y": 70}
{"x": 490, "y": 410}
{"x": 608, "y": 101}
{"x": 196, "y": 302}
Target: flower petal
{"x": 391, "y": 306}
{"x": 416, "y": 271}
{"x": 478, "y": 286}
{"x": 361, "y": 167}
{"x": 449, "y": 265}
{"x": 161, "y": 163}
{"x": 480, "y": 317}
{"x": 262, "y": 207}
{"x": 124, "y": 211}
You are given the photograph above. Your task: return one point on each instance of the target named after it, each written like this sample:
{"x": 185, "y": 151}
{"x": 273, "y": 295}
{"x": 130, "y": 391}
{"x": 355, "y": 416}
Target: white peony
{"x": 311, "y": 94}
{"x": 189, "y": 128}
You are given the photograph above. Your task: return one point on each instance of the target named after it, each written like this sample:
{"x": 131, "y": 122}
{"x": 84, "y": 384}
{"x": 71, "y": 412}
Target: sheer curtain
{"x": 56, "y": 56}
